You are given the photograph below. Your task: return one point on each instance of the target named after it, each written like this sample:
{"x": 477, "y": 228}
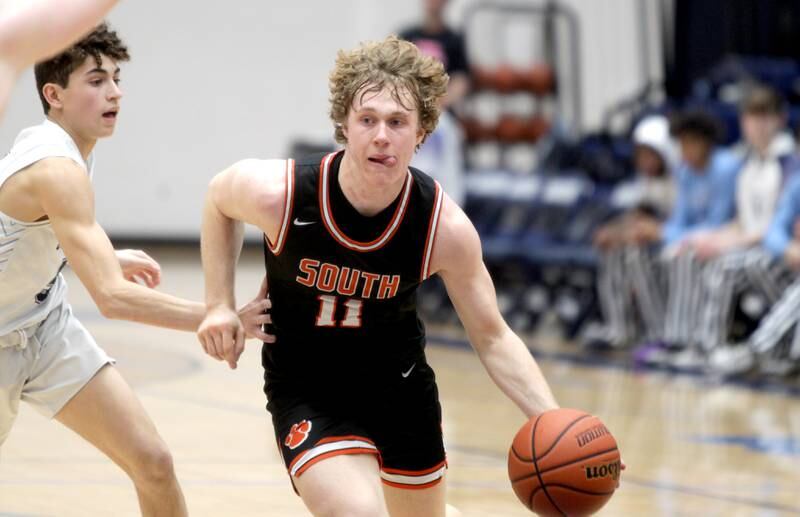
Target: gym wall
{"x": 213, "y": 82}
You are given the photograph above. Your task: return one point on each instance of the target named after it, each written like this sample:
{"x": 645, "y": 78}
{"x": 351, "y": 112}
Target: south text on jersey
{"x": 345, "y": 281}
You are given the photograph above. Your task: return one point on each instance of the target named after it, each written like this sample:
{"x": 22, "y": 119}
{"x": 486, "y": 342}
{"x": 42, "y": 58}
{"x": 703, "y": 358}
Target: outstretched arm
{"x": 458, "y": 260}
{"x": 35, "y": 30}
{"x": 32, "y": 31}
{"x": 250, "y": 191}
{"x": 66, "y": 196}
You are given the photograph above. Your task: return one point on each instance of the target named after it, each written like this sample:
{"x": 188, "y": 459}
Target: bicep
{"x": 458, "y": 260}
{"x": 252, "y": 191}
{"x": 68, "y": 201}
{"x": 473, "y": 296}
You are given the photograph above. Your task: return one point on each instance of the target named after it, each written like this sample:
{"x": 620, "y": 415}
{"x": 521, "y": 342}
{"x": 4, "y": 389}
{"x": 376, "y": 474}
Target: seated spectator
{"x": 624, "y": 306}
{"x": 736, "y": 258}
{"x": 705, "y": 199}
{"x": 772, "y": 345}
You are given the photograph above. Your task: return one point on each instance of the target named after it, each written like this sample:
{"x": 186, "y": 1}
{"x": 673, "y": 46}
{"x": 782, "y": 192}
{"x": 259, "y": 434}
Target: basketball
{"x": 564, "y": 462}
{"x": 510, "y": 128}
{"x": 504, "y": 79}
{"x": 535, "y": 128}
{"x": 539, "y": 79}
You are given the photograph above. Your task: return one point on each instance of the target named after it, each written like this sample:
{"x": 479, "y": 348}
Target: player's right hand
{"x": 222, "y": 335}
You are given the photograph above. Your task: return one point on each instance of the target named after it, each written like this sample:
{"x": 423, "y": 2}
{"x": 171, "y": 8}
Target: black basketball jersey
{"x": 343, "y": 291}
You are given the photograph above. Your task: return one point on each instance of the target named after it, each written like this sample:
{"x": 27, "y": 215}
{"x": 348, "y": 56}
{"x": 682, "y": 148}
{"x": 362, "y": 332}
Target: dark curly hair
{"x": 699, "y": 123}
{"x": 102, "y": 41}
{"x": 391, "y": 63}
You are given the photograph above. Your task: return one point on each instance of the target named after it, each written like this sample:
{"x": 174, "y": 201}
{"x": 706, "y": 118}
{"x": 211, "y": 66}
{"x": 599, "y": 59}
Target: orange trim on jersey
{"x": 416, "y": 472}
{"x": 336, "y": 232}
{"x": 411, "y": 487}
{"x": 331, "y": 454}
{"x": 430, "y": 239}
{"x": 288, "y": 205}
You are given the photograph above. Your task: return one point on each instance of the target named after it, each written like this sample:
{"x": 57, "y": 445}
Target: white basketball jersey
{"x": 31, "y": 260}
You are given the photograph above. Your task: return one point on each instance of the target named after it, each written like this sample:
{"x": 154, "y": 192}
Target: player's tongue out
{"x": 386, "y": 161}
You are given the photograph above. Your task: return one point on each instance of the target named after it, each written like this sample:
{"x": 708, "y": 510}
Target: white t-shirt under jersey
{"x": 31, "y": 284}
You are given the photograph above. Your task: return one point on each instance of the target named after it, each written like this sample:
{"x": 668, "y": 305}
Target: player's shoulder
{"x": 453, "y": 222}
{"x": 254, "y": 183}
{"x": 456, "y": 240}
{"x": 56, "y": 169}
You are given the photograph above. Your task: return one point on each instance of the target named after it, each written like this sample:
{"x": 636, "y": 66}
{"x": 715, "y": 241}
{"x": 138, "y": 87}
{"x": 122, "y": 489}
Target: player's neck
{"x": 85, "y": 145}
{"x": 367, "y": 198}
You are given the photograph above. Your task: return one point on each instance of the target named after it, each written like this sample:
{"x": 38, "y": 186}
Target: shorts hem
{"x": 414, "y": 479}
{"x": 405, "y": 486}
{"x": 52, "y": 413}
{"x": 343, "y": 452}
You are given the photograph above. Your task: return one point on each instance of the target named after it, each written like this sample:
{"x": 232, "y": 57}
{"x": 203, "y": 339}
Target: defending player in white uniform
{"x": 47, "y": 358}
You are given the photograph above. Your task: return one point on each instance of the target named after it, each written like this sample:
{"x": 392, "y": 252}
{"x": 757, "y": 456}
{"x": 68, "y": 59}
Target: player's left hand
{"x": 254, "y": 315}
{"x": 138, "y": 266}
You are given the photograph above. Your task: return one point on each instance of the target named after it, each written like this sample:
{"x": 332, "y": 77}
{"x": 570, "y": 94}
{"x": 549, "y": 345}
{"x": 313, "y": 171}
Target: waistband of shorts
{"x": 19, "y": 337}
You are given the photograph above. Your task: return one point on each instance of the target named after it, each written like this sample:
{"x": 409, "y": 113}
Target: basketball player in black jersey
{"x": 348, "y": 237}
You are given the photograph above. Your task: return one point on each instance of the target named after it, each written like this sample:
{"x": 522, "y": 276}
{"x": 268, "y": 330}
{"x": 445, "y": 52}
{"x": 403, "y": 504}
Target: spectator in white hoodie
{"x": 628, "y": 289}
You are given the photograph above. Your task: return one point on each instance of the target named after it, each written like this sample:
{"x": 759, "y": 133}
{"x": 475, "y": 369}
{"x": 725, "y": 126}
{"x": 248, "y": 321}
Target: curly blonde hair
{"x": 392, "y": 63}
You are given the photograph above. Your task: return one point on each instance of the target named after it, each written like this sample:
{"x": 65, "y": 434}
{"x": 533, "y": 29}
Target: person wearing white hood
{"x": 627, "y": 282}
{"x": 739, "y": 259}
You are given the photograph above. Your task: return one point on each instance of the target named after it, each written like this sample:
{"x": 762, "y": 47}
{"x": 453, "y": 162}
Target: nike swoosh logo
{"x": 406, "y": 374}
{"x": 298, "y": 222}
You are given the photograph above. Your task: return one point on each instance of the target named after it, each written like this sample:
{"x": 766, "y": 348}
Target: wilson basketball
{"x": 564, "y": 462}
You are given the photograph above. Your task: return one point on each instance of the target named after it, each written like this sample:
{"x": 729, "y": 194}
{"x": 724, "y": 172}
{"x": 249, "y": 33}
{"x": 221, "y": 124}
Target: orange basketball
{"x": 535, "y": 128}
{"x": 504, "y": 79}
{"x": 539, "y": 79}
{"x": 564, "y": 462}
{"x": 510, "y": 128}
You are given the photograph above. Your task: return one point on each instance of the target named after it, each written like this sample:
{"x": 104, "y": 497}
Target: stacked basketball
{"x": 536, "y": 81}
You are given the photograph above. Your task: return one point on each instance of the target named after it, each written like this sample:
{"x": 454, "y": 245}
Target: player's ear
{"x": 53, "y": 93}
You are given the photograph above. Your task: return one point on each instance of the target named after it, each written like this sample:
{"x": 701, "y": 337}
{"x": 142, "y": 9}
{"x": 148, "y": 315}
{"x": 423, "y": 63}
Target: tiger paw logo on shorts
{"x": 297, "y": 434}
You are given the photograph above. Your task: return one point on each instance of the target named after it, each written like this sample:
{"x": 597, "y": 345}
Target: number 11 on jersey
{"x": 327, "y": 312}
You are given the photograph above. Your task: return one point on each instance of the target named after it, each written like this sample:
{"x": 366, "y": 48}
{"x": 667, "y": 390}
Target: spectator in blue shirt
{"x": 705, "y": 200}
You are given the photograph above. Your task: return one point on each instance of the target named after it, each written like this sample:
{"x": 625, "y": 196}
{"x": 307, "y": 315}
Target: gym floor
{"x": 693, "y": 447}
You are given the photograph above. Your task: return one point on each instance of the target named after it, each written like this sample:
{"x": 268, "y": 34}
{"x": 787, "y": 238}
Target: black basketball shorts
{"x": 398, "y": 421}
